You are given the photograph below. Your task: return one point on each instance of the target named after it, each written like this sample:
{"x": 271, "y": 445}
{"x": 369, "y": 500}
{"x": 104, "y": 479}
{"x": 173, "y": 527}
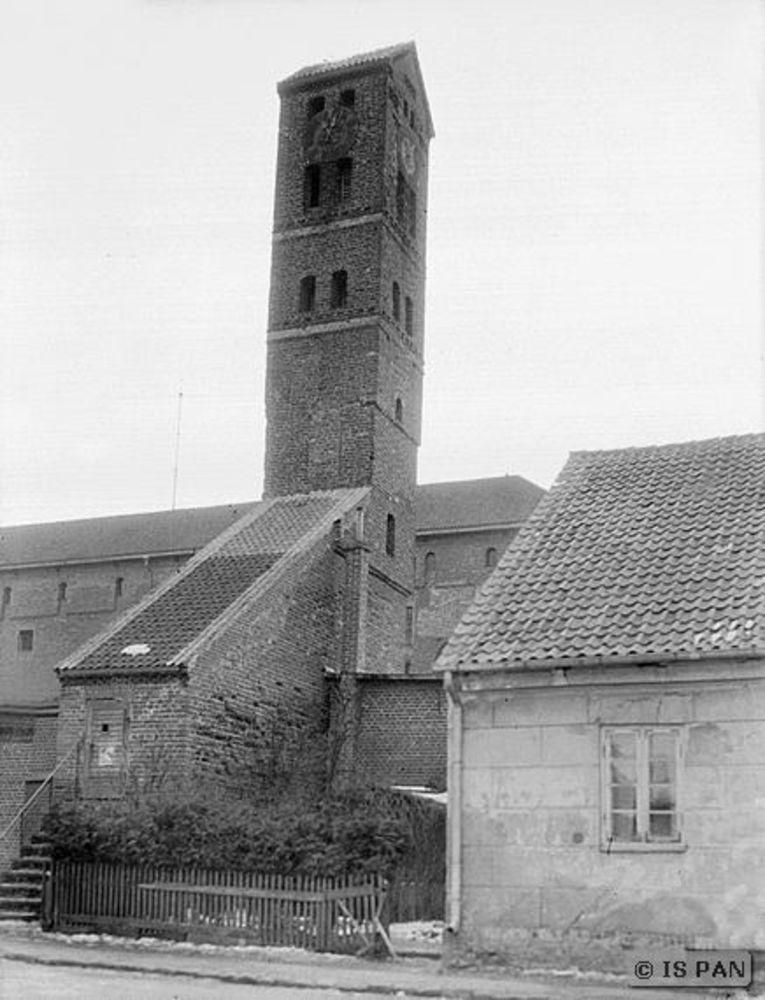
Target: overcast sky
{"x": 594, "y": 271}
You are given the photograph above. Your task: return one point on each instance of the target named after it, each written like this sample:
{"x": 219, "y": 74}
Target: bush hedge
{"x": 360, "y": 831}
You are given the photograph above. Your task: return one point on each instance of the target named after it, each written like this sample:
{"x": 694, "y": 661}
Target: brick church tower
{"x": 345, "y": 339}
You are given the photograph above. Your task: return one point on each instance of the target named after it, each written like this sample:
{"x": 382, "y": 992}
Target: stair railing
{"x": 38, "y": 792}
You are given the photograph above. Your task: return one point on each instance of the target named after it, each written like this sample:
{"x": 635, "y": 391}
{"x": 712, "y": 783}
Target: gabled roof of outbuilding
{"x": 497, "y": 502}
{"x": 641, "y": 552}
{"x": 171, "y": 619}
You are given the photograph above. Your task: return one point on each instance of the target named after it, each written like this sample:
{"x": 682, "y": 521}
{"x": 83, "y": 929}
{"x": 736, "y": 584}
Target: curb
{"x": 243, "y": 979}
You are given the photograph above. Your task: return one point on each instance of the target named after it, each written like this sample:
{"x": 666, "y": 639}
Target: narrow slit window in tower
{"x": 408, "y": 316}
{"x": 312, "y": 186}
{"x": 491, "y": 558}
{"x": 390, "y": 535}
{"x": 344, "y": 177}
{"x": 307, "y": 293}
{"x": 339, "y": 294}
{"x": 61, "y": 592}
{"x": 399, "y": 410}
{"x": 396, "y": 301}
{"x": 400, "y": 197}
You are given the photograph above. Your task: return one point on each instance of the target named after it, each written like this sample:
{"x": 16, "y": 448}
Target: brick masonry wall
{"x": 60, "y": 627}
{"x": 27, "y": 753}
{"x": 267, "y": 668}
{"x": 366, "y": 151}
{"x": 460, "y": 557}
{"x": 402, "y": 732}
{"x": 157, "y": 729}
{"x": 537, "y": 886}
{"x": 353, "y": 249}
{"x": 320, "y": 428}
{"x": 443, "y": 597}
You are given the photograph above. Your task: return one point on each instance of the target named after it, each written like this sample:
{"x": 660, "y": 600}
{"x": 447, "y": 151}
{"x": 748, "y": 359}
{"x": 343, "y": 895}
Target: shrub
{"x": 360, "y": 831}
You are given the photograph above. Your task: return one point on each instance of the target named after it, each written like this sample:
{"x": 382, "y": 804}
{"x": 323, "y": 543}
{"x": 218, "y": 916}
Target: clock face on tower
{"x": 330, "y": 134}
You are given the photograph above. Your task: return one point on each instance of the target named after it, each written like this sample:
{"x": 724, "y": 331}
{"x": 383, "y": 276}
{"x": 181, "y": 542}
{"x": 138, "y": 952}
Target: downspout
{"x": 454, "y": 790}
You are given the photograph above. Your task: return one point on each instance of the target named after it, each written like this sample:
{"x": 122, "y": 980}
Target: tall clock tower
{"x": 345, "y": 338}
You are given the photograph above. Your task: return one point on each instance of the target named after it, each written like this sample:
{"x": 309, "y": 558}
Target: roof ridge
{"x": 70, "y": 661}
{"x": 695, "y": 443}
{"x": 266, "y": 580}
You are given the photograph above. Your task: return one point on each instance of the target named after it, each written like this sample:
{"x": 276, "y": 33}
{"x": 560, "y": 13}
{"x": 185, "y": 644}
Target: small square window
{"x": 26, "y": 640}
{"x": 315, "y": 105}
{"x": 641, "y": 788}
{"x": 347, "y": 98}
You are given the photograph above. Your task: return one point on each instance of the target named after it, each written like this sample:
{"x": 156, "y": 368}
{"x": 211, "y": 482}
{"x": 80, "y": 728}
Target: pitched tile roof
{"x": 352, "y": 62}
{"x": 332, "y": 67}
{"x": 157, "y": 630}
{"x": 122, "y": 537}
{"x": 641, "y": 552}
{"x": 500, "y": 501}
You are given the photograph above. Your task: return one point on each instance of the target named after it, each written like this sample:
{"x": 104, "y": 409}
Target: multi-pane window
{"x": 344, "y": 178}
{"x": 339, "y": 291}
{"x": 640, "y": 786}
{"x": 307, "y": 293}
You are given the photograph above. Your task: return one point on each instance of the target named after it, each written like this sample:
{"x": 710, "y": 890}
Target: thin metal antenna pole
{"x": 177, "y": 448}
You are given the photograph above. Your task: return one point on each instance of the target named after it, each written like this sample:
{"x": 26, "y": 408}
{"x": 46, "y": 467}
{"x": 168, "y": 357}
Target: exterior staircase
{"x": 21, "y": 887}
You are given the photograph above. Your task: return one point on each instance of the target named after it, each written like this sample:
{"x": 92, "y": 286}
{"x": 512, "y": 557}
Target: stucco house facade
{"x": 607, "y": 716}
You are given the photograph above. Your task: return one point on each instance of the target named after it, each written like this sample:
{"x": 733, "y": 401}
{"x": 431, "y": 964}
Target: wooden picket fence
{"x": 321, "y": 914}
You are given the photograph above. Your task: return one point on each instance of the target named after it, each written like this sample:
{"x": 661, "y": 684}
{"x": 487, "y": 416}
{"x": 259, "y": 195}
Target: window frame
{"x": 307, "y": 294}
{"x": 390, "y": 535}
{"x": 311, "y": 187}
{"x": 338, "y": 292}
{"x": 26, "y": 640}
{"x": 102, "y": 779}
{"x": 344, "y": 180}
{"x": 642, "y": 734}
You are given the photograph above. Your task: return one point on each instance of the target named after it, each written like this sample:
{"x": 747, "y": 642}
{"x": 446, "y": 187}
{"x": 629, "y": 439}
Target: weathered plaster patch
{"x": 677, "y": 915}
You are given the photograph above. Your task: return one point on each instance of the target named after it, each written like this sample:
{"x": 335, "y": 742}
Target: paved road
{"x": 23, "y": 981}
